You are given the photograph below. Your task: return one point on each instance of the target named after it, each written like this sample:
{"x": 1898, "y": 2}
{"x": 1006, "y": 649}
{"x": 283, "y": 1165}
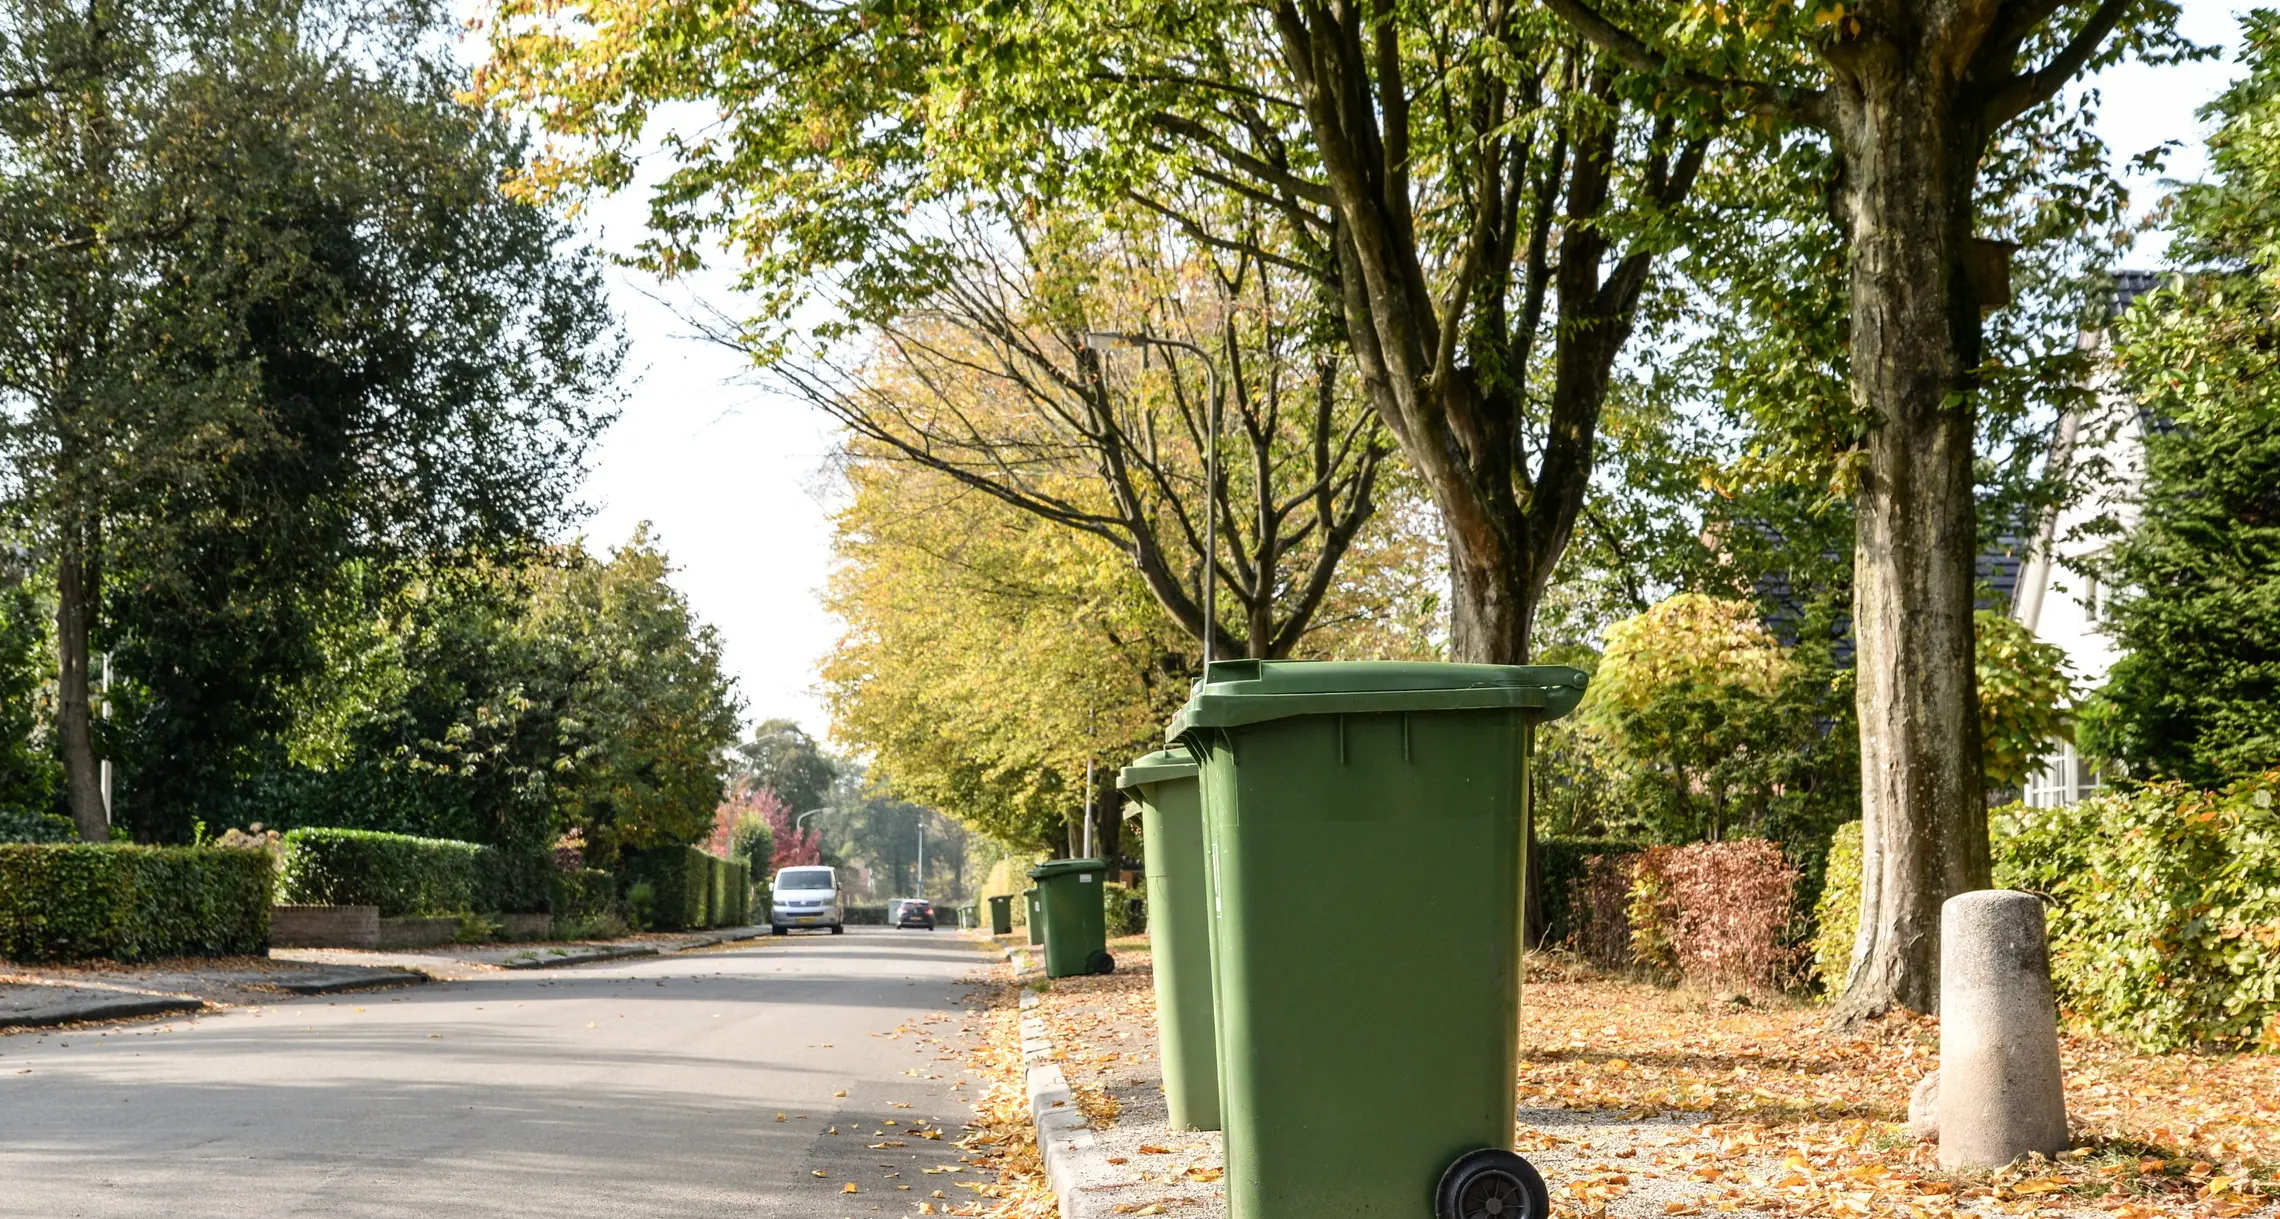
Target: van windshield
{"x": 803, "y": 878}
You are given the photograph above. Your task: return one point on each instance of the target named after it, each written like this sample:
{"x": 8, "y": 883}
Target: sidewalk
{"x": 46, "y": 996}
{"x": 1101, "y": 1034}
{"x": 1636, "y": 1102}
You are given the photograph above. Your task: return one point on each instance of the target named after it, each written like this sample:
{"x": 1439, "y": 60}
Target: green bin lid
{"x": 1237, "y": 692}
{"x": 1061, "y": 867}
{"x": 1161, "y": 766}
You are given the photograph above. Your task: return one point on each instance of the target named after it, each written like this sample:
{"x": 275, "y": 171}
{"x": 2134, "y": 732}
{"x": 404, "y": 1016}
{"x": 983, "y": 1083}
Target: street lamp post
{"x": 1104, "y": 341}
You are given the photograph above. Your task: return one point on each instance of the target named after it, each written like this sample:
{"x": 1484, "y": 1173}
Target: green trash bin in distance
{"x": 1367, "y": 1069}
{"x": 1076, "y": 916}
{"x": 1179, "y": 933}
{"x": 1036, "y": 916}
{"x": 1001, "y": 914}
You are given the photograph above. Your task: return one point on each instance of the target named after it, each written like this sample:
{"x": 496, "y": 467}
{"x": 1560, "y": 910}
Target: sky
{"x": 733, "y": 481}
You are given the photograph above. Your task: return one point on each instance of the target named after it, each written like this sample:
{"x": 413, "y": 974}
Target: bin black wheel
{"x": 1101, "y": 963}
{"x": 839, "y": 929}
{"x": 1491, "y": 1184}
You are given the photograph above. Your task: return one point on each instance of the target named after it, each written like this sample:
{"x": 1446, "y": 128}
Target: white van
{"x": 806, "y": 897}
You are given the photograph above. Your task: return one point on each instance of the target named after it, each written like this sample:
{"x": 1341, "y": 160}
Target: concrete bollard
{"x": 2000, "y": 1095}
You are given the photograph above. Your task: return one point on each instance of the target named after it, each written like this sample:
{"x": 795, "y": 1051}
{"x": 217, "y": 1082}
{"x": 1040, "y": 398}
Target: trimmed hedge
{"x": 689, "y": 889}
{"x": 514, "y": 880}
{"x": 1563, "y": 866}
{"x": 2163, "y": 909}
{"x": 403, "y": 875}
{"x": 131, "y": 903}
{"x": 872, "y": 915}
{"x": 583, "y": 895}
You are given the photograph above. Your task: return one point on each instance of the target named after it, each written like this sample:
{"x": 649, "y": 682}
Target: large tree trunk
{"x": 75, "y": 599}
{"x": 1910, "y": 166}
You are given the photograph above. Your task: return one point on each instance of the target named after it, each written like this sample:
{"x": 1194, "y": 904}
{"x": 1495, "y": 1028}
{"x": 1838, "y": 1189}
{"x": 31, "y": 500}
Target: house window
{"x": 2066, "y": 777}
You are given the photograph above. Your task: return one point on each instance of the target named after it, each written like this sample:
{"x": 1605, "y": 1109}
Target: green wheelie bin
{"x": 1179, "y": 933}
{"x": 1036, "y": 915}
{"x": 1001, "y": 914}
{"x": 1076, "y": 916}
{"x": 1367, "y": 1067}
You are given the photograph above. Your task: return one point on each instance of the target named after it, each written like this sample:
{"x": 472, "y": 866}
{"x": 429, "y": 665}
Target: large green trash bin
{"x": 1076, "y": 916}
{"x": 1163, "y": 785}
{"x": 1367, "y": 1067}
{"x": 1036, "y": 915}
{"x": 1001, "y": 914}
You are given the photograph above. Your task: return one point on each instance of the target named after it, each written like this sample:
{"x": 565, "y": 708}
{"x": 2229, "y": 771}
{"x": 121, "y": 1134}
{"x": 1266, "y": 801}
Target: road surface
{"x": 649, "y": 1087}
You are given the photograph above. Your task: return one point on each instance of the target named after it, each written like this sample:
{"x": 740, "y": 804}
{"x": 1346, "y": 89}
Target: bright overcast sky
{"x": 734, "y": 482}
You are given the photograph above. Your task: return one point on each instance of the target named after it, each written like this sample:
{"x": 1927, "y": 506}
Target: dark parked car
{"x": 914, "y": 912}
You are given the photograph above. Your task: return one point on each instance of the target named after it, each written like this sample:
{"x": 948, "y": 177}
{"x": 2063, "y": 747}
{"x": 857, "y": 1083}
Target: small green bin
{"x": 1367, "y": 1068}
{"x": 1179, "y": 933}
{"x": 1001, "y": 914}
{"x": 1075, "y": 916}
{"x": 1036, "y": 915}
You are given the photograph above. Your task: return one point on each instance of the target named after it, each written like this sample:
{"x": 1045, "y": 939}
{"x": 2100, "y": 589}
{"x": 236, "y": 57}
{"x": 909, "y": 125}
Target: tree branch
{"x": 1759, "y": 97}
{"x": 2028, "y": 90}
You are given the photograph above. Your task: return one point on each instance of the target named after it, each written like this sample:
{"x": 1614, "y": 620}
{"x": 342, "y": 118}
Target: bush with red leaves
{"x": 1725, "y": 909}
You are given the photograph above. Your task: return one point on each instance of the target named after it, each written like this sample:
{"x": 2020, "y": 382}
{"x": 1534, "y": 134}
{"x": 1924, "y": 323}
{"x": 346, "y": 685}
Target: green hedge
{"x": 689, "y": 889}
{"x": 22, "y": 825}
{"x": 865, "y": 915}
{"x": 514, "y": 880}
{"x": 2164, "y": 909}
{"x": 131, "y": 903}
{"x": 583, "y": 896}
{"x": 403, "y": 875}
{"x": 1117, "y": 903}
{"x": 1560, "y": 864}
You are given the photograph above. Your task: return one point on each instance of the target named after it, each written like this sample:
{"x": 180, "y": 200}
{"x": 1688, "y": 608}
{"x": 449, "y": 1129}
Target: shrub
{"x": 1603, "y": 932}
{"x": 867, "y": 915}
{"x": 1836, "y": 916}
{"x": 403, "y": 875}
{"x": 2165, "y": 910}
{"x": 514, "y": 879}
{"x": 584, "y": 896}
{"x": 131, "y": 903}
{"x": 22, "y": 825}
{"x": 683, "y": 888}
{"x": 1716, "y": 913}
{"x": 1123, "y": 917}
{"x": 1563, "y": 868}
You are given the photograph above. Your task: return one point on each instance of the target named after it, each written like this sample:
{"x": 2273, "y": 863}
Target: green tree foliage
{"x": 989, "y": 654}
{"x": 783, "y": 758}
{"x": 1712, "y": 728}
{"x": 1479, "y": 201}
{"x": 509, "y": 704}
{"x": 270, "y": 311}
{"x": 2197, "y": 612}
{"x": 28, "y": 772}
{"x": 2026, "y": 699}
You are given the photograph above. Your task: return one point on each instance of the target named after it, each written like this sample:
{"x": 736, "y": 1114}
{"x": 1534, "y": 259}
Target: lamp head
{"x": 1105, "y": 341}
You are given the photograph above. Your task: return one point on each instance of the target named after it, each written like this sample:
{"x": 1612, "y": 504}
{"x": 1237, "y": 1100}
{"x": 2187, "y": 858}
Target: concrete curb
{"x": 109, "y": 1007}
{"x": 340, "y": 983}
{"x": 1072, "y": 1156}
{"x": 572, "y": 956}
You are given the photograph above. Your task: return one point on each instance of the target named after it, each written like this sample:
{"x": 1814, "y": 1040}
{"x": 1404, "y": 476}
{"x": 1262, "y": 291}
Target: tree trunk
{"x": 1910, "y": 166}
{"x": 75, "y": 598}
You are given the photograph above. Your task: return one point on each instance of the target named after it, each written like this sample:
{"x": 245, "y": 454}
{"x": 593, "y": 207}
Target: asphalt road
{"x": 649, "y": 1087}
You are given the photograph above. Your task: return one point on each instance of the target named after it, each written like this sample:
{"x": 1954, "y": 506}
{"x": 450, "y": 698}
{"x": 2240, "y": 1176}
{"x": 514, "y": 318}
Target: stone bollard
{"x": 2000, "y": 1095}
